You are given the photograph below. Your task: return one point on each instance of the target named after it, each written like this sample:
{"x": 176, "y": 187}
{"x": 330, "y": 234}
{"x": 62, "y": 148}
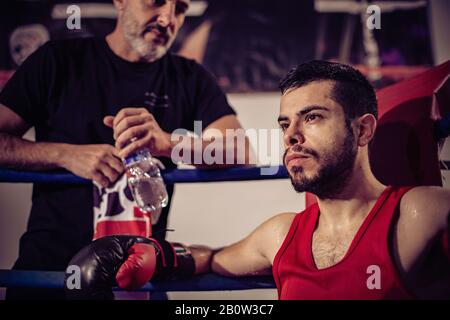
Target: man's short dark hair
{"x": 351, "y": 90}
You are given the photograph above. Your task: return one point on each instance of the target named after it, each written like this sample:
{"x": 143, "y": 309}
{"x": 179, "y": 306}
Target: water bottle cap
{"x": 141, "y": 154}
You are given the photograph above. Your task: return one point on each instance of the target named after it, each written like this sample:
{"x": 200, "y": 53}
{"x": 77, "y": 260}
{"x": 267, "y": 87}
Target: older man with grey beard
{"x": 87, "y": 99}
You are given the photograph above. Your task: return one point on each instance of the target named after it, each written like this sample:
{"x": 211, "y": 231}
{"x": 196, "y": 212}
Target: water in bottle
{"x": 145, "y": 181}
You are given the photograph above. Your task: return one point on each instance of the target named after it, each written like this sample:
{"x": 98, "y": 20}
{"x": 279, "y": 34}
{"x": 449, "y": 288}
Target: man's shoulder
{"x": 280, "y": 222}
{"x": 269, "y": 236}
{"x": 285, "y": 217}
{"x": 423, "y": 197}
{"x": 72, "y": 46}
{"x": 428, "y": 206}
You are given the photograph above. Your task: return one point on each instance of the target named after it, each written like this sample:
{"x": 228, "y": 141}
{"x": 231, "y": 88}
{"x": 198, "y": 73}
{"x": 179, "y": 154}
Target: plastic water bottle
{"x": 146, "y": 182}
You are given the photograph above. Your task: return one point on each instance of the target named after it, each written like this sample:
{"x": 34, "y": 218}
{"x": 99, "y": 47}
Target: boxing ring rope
{"x": 207, "y": 282}
{"x": 170, "y": 176}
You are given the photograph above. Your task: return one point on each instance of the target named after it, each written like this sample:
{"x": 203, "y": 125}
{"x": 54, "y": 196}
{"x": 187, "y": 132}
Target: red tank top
{"x": 367, "y": 270}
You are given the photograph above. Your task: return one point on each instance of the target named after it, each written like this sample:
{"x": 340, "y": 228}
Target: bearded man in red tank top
{"x": 362, "y": 239}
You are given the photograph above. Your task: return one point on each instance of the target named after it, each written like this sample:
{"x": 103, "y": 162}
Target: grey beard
{"x": 146, "y": 51}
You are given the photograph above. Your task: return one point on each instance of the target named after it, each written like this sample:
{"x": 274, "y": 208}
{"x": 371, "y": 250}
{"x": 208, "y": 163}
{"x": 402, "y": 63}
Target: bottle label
{"x": 139, "y": 155}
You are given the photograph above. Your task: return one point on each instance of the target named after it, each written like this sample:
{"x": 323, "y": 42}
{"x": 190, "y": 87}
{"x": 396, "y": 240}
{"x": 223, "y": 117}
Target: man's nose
{"x": 166, "y": 14}
{"x": 293, "y": 135}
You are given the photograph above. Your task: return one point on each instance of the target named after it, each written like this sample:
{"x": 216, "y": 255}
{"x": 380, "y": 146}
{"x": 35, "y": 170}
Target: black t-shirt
{"x": 64, "y": 90}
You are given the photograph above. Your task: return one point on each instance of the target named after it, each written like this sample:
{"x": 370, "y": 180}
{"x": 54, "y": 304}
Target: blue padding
{"x": 7, "y": 175}
{"x": 31, "y": 279}
{"x": 170, "y": 176}
{"x": 442, "y": 128}
{"x": 207, "y": 282}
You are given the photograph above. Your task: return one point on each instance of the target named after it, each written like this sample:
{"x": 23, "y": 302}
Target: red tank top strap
{"x": 298, "y": 225}
{"x": 388, "y": 200}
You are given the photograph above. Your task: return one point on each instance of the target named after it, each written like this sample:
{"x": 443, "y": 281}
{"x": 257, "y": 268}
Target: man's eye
{"x": 284, "y": 126}
{"x": 312, "y": 117}
{"x": 153, "y": 3}
{"x": 158, "y": 3}
{"x": 181, "y": 8}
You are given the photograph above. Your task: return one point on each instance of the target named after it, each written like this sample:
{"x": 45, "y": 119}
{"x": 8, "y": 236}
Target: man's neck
{"x": 119, "y": 45}
{"x": 351, "y": 204}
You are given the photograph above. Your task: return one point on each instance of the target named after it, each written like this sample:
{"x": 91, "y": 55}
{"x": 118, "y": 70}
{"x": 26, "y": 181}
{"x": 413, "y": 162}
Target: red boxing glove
{"x": 128, "y": 261}
{"x": 139, "y": 268}
{"x": 158, "y": 260}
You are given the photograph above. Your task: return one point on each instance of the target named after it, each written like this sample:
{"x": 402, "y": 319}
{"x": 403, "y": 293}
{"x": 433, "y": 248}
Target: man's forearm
{"x": 23, "y": 154}
{"x": 202, "y": 256}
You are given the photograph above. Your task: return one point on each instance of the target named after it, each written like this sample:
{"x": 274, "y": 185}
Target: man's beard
{"x": 147, "y": 50}
{"x": 332, "y": 175}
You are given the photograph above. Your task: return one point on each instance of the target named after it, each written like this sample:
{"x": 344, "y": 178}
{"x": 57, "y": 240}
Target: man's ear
{"x": 366, "y": 126}
{"x": 120, "y": 4}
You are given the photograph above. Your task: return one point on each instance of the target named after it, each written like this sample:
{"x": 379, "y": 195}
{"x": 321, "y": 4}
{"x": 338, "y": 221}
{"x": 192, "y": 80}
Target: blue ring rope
{"x": 170, "y": 176}
{"x": 206, "y": 282}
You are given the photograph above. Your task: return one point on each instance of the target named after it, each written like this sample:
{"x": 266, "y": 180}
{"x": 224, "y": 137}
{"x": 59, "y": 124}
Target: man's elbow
{"x": 218, "y": 264}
